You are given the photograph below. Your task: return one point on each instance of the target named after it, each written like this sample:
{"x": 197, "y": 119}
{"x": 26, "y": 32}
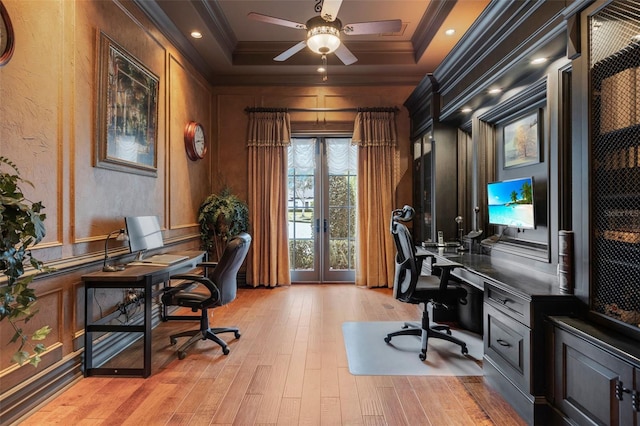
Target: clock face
{"x": 195, "y": 142}
{"x": 198, "y": 140}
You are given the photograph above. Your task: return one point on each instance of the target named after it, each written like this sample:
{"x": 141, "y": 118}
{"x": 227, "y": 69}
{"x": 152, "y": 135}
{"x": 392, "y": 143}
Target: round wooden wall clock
{"x": 195, "y": 142}
{"x": 6, "y": 36}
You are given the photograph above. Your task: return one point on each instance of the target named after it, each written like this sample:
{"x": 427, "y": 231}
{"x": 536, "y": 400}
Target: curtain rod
{"x": 363, "y": 109}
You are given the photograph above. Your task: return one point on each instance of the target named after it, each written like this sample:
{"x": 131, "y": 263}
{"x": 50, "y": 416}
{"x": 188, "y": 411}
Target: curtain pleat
{"x": 485, "y": 140}
{"x": 376, "y": 137}
{"x": 269, "y": 135}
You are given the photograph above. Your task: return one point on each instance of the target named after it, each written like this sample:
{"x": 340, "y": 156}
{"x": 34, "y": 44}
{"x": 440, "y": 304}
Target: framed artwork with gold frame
{"x": 127, "y": 113}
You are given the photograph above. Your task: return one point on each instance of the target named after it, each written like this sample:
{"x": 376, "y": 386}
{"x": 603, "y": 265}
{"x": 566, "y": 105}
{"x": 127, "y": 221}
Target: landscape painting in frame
{"x": 127, "y": 112}
{"x": 522, "y": 141}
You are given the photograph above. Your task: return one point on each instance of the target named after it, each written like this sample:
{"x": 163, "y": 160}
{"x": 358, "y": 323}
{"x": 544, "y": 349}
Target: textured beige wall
{"x": 48, "y": 108}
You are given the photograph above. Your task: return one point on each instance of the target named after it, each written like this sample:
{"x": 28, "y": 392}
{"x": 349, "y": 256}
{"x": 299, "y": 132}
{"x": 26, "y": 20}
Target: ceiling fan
{"x": 323, "y": 31}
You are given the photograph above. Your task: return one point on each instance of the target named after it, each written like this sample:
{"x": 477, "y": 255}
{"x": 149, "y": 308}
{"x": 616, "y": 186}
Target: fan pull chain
{"x": 323, "y": 68}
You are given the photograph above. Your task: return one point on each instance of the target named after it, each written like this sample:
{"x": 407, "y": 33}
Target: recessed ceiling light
{"x": 495, "y": 91}
{"x": 537, "y": 61}
{"x": 196, "y": 34}
{"x": 466, "y": 110}
{"x": 450, "y": 32}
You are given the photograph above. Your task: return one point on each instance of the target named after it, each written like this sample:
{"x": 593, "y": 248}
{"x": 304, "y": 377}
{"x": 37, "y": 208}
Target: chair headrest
{"x": 405, "y": 214}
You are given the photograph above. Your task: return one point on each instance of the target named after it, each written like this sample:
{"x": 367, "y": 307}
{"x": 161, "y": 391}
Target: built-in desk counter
{"x": 479, "y": 268}
{"x": 516, "y": 302}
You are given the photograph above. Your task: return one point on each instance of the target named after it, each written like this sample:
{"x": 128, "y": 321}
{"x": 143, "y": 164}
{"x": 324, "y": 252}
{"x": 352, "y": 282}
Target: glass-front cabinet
{"x": 614, "y": 73}
{"x": 422, "y": 189}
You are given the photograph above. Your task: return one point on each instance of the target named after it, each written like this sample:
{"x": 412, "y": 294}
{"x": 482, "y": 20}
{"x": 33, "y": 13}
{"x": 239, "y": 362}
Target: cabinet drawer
{"x": 509, "y": 303}
{"x": 507, "y": 342}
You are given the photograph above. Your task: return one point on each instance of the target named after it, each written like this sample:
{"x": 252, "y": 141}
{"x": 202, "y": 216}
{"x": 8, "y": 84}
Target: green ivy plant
{"x": 21, "y": 226}
{"x": 222, "y": 216}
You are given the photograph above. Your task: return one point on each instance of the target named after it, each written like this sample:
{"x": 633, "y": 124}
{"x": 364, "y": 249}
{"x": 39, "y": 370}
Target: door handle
{"x": 317, "y": 225}
{"x": 326, "y": 225}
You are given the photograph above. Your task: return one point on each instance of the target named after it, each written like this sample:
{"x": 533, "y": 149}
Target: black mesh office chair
{"x": 201, "y": 292}
{"x": 411, "y": 287}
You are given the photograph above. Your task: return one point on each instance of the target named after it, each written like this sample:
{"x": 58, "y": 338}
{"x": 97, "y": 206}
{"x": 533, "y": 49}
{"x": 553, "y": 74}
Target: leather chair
{"x": 411, "y": 287}
{"x": 216, "y": 287}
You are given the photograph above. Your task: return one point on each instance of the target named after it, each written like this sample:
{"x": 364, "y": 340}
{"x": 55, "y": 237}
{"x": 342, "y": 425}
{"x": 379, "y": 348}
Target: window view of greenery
{"x": 301, "y": 222}
{"x": 301, "y": 188}
{"x": 342, "y": 217}
{"x": 340, "y": 224}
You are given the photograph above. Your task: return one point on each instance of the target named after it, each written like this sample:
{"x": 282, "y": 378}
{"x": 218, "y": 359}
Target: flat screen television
{"x": 511, "y": 203}
{"x": 144, "y": 234}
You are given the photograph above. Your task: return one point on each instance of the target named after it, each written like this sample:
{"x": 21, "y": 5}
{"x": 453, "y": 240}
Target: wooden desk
{"x": 142, "y": 277}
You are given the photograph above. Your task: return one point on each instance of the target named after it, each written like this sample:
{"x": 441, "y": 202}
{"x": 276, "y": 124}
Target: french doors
{"x": 322, "y": 184}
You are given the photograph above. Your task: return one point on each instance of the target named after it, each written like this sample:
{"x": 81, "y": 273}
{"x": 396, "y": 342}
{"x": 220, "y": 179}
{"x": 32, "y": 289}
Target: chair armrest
{"x": 420, "y": 259}
{"x": 445, "y": 274}
{"x": 207, "y": 264}
{"x": 191, "y": 278}
{"x": 448, "y": 265}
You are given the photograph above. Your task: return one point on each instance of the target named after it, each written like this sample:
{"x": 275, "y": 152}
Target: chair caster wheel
{"x": 464, "y": 350}
{"x": 225, "y": 351}
{"x": 173, "y": 341}
{"x": 181, "y": 355}
{"x": 237, "y": 334}
{"x": 387, "y": 339}
{"x": 423, "y": 357}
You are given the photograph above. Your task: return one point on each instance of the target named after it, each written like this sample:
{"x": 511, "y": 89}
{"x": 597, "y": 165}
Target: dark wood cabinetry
{"x": 596, "y": 358}
{"x": 595, "y": 383}
{"x": 515, "y": 341}
{"x": 434, "y": 183}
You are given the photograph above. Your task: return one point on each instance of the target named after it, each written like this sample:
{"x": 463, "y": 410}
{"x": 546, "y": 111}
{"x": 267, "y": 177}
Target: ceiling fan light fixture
{"x": 323, "y": 39}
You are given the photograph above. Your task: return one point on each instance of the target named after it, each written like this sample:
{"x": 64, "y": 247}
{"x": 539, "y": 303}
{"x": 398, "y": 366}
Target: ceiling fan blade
{"x": 290, "y": 51}
{"x": 277, "y": 21}
{"x": 345, "y": 55}
{"x": 330, "y": 9}
{"x": 373, "y": 27}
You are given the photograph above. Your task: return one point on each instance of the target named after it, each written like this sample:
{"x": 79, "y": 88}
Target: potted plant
{"x": 21, "y": 226}
{"x": 221, "y": 216}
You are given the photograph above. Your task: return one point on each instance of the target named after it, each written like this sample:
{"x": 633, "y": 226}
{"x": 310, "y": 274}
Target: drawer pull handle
{"x": 621, "y": 390}
{"x": 503, "y": 343}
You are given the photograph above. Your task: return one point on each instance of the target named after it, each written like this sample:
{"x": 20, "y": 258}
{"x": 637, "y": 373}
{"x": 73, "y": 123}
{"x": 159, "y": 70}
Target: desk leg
{"x": 88, "y": 338}
{"x": 148, "y": 296}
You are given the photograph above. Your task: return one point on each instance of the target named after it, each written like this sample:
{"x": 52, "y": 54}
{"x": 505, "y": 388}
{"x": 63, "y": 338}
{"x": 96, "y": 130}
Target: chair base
{"x": 207, "y": 334}
{"x": 425, "y": 332}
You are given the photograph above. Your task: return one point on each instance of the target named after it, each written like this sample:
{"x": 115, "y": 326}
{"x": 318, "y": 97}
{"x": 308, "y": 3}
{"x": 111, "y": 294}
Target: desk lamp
{"x": 122, "y": 236}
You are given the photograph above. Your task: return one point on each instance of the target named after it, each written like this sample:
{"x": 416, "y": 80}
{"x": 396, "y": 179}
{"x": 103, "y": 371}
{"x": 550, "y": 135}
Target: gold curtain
{"x": 375, "y": 134}
{"x": 269, "y": 136}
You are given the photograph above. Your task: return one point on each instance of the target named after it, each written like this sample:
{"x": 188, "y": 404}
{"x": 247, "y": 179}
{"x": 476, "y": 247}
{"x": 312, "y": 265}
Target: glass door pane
{"x": 303, "y": 226}
{"x": 340, "y": 210}
{"x": 322, "y": 209}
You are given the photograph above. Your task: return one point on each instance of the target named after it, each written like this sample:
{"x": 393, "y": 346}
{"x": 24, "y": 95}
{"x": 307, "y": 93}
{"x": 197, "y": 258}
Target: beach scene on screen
{"x": 511, "y": 203}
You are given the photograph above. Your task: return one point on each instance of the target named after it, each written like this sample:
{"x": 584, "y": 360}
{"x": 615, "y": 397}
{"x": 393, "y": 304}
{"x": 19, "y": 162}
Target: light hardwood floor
{"x": 288, "y": 368}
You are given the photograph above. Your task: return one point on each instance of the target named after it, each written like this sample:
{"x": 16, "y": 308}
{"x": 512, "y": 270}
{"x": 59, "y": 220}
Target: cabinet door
{"x": 586, "y": 378}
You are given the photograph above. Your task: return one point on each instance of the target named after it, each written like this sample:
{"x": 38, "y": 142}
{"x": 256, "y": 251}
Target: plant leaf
{"x": 41, "y": 333}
